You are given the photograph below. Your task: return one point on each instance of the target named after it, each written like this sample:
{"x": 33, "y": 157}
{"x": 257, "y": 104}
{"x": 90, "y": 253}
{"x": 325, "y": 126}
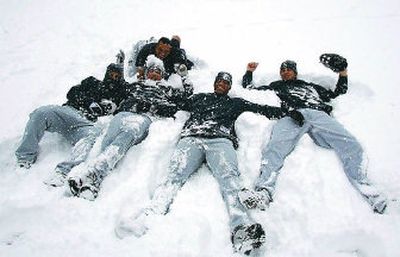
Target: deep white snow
{"x": 48, "y": 46}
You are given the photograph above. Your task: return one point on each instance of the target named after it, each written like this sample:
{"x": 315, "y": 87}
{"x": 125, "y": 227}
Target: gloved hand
{"x": 334, "y": 62}
{"x": 108, "y": 106}
{"x": 120, "y": 57}
{"x": 95, "y": 109}
{"x": 181, "y": 70}
{"x": 297, "y": 117}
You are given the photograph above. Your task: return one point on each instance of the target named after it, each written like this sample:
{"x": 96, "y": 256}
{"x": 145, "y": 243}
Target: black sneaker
{"x": 75, "y": 184}
{"x": 247, "y": 238}
{"x": 90, "y": 187}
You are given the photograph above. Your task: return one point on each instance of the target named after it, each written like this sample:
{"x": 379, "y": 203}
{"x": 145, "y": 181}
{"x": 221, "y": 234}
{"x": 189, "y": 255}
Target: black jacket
{"x": 176, "y": 56}
{"x": 155, "y": 98}
{"x": 93, "y": 90}
{"x": 296, "y": 94}
{"x": 214, "y": 116}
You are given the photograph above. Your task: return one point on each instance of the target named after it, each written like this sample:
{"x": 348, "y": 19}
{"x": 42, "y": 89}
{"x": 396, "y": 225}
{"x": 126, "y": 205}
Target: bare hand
{"x": 252, "y": 66}
{"x": 343, "y": 73}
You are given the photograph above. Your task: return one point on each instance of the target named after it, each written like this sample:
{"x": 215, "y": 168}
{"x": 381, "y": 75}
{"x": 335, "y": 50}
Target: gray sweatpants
{"x": 326, "y": 132}
{"x": 125, "y": 130}
{"x": 68, "y": 122}
{"x": 221, "y": 158}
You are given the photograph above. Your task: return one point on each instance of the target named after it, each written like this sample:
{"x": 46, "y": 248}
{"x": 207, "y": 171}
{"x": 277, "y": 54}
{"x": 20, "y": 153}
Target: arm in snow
{"x": 248, "y": 79}
{"x": 83, "y": 95}
{"x": 270, "y": 112}
{"x": 326, "y": 94}
{"x": 142, "y": 55}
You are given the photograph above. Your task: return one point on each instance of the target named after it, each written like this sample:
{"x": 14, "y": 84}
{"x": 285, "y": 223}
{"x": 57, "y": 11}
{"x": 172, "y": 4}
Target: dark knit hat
{"x": 222, "y": 75}
{"x": 288, "y": 64}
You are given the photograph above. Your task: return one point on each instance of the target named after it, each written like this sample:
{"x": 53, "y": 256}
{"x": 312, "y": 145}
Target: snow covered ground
{"x": 48, "y": 46}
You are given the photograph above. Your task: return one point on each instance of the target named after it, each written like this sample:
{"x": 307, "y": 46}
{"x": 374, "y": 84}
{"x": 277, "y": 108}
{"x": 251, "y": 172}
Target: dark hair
{"x": 164, "y": 40}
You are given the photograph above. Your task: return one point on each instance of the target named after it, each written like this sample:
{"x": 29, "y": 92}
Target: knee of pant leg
{"x": 43, "y": 111}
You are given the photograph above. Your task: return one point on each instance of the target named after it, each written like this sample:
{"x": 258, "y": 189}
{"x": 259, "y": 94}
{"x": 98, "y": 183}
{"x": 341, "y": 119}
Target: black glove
{"x": 334, "y": 62}
{"x": 297, "y": 117}
{"x": 120, "y": 57}
{"x": 95, "y": 109}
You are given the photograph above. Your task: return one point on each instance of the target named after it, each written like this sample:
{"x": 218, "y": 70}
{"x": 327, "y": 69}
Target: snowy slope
{"x": 48, "y": 46}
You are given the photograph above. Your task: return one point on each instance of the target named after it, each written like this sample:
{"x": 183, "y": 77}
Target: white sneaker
{"x": 56, "y": 180}
{"x": 255, "y": 199}
{"x": 136, "y": 226}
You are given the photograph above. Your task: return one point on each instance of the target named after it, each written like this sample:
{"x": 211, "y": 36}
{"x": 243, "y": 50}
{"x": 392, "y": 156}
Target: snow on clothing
{"x": 190, "y": 154}
{"x": 155, "y": 98}
{"x": 310, "y": 99}
{"x": 176, "y": 56}
{"x": 296, "y": 94}
{"x": 64, "y": 120}
{"x": 92, "y": 90}
{"x": 214, "y": 116}
{"x": 131, "y": 125}
{"x": 208, "y": 136}
{"x": 73, "y": 120}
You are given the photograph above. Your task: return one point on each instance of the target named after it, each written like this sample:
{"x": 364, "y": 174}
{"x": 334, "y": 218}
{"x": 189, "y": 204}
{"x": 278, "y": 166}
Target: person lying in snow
{"x": 74, "y": 120}
{"x": 146, "y": 101}
{"x": 169, "y": 51}
{"x": 209, "y": 136}
{"x": 312, "y": 101}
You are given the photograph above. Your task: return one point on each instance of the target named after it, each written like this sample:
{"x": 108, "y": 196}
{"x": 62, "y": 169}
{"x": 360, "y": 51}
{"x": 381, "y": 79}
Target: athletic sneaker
{"x": 57, "y": 179}
{"x": 136, "y": 225}
{"x": 247, "y": 238}
{"x": 255, "y": 199}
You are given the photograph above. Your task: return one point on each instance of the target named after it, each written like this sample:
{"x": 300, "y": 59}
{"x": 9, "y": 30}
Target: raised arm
{"x": 248, "y": 77}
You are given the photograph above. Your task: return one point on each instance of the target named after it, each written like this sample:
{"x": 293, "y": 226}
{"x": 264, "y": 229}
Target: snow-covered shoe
{"x": 334, "y": 62}
{"x": 90, "y": 187}
{"x": 247, "y": 238}
{"x": 75, "y": 184}
{"x": 89, "y": 192}
{"x": 255, "y": 199}
{"x": 380, "y": 205}
{"x": 56, "y": 180}
{"x": 136, "y": 226}
{"x": 25, "y": 163}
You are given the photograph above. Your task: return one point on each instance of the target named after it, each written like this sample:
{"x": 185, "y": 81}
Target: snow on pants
{"x": 221, "y": 158}
{"x": 68, "y": 122}
{"x": 325, "y": 132}
{"x": 125, "y": 130}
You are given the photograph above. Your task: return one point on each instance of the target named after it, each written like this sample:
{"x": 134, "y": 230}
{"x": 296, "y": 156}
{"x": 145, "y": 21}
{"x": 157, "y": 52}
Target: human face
{"x": 287, "y": 74}
{"x": 162, "y": 50}
{"x": 115, "y": 75}
{"x": 154, "y": 74}
{"x": 221, "y": 87}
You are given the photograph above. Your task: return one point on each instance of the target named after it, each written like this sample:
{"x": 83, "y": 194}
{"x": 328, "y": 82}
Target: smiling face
{"x": 163, "y": 50}
{"x": 287, "y": 74}
{"x": 154, "y": 74}
{"x": 221, "y": 87}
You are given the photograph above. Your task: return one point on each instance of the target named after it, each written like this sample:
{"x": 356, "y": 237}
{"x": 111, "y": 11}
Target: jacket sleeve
{"x": 142, "y": 55}
{"x": 247, "y": 82}
{"x": 179, "y": 96}
{"x": 82, "y": 95}
{"x": 326, "y": 94}
{"x": 270, "y": 112}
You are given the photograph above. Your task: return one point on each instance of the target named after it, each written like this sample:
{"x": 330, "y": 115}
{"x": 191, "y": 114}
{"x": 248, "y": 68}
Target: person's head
{"x": 154, "y": 69}
{"x": 222, "y": 83}
{"x": 114, "y": 73}
{"x": 163, "y": 48}
{"x": 288, "y": 70}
